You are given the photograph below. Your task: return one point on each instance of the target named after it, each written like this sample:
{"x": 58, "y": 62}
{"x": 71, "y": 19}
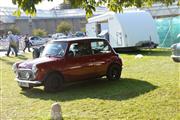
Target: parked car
{"x": 35, "y": 41}
{"x": 79, "y": 34}
{"x": 69, "y": 60}
{"x": 176, "y": 52}
{"x": 59, "y": 36}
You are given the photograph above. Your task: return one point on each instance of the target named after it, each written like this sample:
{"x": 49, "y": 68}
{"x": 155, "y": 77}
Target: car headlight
{"x": 14, "y": 67}
{"x": 173, "y": 46}
{"x": 27, "y": 75}
{"x": 34, "y": 69}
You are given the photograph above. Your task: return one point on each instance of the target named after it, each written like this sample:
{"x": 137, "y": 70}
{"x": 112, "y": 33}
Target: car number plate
{"x": 23, "y": 84}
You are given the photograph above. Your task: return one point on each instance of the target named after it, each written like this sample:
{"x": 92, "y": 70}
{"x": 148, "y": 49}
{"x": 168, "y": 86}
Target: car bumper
{"x": 175, "y": 58}
{"x": 27, "y": 83}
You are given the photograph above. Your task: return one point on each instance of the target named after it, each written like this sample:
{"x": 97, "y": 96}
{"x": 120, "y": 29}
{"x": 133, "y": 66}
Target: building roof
{"x": 6, "y": 13}
{"x": 78, "y": 39}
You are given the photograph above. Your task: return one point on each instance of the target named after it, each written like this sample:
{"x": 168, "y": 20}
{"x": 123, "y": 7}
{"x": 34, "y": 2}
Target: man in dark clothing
{"x": 12, "y": 43}
{"x": 27, "y": 43}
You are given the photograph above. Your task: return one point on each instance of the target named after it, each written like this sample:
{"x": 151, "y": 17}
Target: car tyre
{"x": 176, "y": 59}
{"x": 114, "y": 72}
{"x": 53, "y": 83}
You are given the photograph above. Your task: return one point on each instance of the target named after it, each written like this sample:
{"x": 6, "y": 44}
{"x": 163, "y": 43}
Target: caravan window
{"x": 99, "y": 47}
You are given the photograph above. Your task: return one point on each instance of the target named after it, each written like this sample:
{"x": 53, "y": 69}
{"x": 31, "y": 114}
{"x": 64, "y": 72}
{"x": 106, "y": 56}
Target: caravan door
{"x": 119, "y": 38}
{"x": 91, "y": 30}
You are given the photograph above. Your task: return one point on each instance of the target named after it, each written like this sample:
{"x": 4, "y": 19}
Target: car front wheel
{"x": 53, "y": 83}
{"x": 114, "y": 72}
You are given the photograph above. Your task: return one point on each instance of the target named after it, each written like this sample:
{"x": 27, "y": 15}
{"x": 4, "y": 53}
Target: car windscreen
{"x": 55, "y": 49}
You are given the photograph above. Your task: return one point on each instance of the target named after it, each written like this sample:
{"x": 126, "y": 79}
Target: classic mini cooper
{"x": 69, "y": 60}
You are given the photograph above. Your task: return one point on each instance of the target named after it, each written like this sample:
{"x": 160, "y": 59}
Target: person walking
{"x": 17, "y": 38}
{"x": 12, "y": 43}
{"x": 27, "y": 43}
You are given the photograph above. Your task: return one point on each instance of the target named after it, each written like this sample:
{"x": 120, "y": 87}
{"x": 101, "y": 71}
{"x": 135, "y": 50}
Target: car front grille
{"x": 25, "y": 74}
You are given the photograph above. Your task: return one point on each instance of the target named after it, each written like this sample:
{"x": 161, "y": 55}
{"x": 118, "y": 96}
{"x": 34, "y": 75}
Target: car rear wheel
{"x": 53, "y": 83}
{"x": 114, "y": 72}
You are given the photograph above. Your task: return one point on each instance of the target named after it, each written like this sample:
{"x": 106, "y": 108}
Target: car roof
{"x": 78, "y": 39}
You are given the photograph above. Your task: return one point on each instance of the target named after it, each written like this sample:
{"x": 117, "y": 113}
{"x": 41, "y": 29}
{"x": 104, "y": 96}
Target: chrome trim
{"x": 29, "y": 71}
{"x": 24, "y": 69}
{"x": 175, "y": 56}
{"x": 31, "y": 82}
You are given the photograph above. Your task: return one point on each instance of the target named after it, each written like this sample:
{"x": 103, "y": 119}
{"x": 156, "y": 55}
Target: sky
{"x": 45, "y": 5}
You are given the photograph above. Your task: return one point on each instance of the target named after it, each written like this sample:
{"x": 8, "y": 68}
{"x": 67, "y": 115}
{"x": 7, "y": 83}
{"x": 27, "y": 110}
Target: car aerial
{"x": 35, "y": 41}
{"x": 175, "y": 52}
{"x": 69, "y": 60}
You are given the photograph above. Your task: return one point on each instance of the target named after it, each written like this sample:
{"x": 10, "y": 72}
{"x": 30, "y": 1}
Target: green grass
{"x": 149, "y": 90}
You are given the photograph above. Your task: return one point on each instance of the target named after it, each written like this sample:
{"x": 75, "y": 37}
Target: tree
{"x": 89, "y": 5}
{"x": 39, "y": 32}
{"x": 83, "y": 29}
{"x": 14, "y": 29}
{"x": 63, "y": 27}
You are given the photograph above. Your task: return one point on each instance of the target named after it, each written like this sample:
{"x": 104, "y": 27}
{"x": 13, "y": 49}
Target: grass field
{"x": 149, "y": 90}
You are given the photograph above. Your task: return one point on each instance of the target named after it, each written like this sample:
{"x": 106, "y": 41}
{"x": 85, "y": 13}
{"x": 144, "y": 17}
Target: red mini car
{"x": 68, "y": 60}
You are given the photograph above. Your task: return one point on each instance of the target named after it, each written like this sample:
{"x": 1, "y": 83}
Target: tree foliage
{"x": 39, "y": 32}
{"x": 28, "y": 6}
{"x": 83, "y": 29}
{"x": 64, "y": 27}
{"x": 89, "y": 5}
{"x": 14, "y": 29}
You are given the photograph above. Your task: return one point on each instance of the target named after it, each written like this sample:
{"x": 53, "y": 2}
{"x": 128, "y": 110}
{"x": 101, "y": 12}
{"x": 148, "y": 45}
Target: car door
{"x": 38, "y": 41}
{"x": 79, "y": 65}
{"x": 34, "y": 41}
{"x": 102, "y": 53}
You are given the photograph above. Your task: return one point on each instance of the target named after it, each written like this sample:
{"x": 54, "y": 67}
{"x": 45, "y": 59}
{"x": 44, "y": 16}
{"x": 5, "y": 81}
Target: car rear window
{"x": 100, "y": 47}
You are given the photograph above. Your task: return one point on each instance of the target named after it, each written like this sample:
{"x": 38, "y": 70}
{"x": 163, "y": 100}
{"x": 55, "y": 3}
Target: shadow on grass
{"x": 148, "y": 52}
{"x": 11, "y": 62}
{"x": 123, "y": 89}
{"x": 22, "y": 57}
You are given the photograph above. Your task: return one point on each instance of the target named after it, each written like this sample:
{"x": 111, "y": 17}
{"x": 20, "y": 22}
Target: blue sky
{"x": 44, "y": 5}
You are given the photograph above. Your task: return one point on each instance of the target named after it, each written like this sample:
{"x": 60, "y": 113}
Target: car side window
{"x": 99, "y": 47}
{"x": 80, "y": 49}
{"x": 35, "y": 38}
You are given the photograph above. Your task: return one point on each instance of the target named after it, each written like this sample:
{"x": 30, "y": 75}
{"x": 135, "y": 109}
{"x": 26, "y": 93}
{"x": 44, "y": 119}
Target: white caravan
{"x": 131, "y": 29}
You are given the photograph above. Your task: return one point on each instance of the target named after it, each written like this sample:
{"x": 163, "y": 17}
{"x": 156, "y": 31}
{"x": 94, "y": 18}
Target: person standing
{"x": 17, "y": 38}
{"x": 12, "y": 43}
{"x": 27, "y": 43}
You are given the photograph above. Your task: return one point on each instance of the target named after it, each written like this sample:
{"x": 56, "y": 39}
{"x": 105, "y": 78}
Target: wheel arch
{"x": 53, "y": 72}
{"x": 113, "y": 63}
